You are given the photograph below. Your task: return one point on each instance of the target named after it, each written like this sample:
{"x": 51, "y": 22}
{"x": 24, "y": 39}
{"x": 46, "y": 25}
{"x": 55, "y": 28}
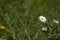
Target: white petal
{"x": 44, "y": 28}
{"x": 55, "y": 21}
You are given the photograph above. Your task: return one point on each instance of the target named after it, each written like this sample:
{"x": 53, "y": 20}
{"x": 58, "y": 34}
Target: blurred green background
{"x": 20, "y": 17}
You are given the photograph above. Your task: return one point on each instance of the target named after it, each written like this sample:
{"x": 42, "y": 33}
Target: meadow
{"x": 19, "y": 20}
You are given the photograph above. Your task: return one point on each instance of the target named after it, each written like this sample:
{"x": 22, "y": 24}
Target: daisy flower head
{"x": 44, "y": 29}
{"x": 42, "y": 19}
{"x": 55, "y": 21}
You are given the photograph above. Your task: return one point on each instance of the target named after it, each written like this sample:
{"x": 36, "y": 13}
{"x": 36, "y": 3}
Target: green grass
{"x": 20, "y": 17}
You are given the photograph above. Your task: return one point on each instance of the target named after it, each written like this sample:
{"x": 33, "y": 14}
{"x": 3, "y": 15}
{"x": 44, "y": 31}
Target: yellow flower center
{"x": 42, "y": 18}
{"x": 2, "y": 27}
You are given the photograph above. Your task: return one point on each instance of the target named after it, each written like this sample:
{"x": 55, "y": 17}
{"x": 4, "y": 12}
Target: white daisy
{"x": 42, "y": 19}
{"x": 55, "y": 21}
{"x": 44, "y": 29}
